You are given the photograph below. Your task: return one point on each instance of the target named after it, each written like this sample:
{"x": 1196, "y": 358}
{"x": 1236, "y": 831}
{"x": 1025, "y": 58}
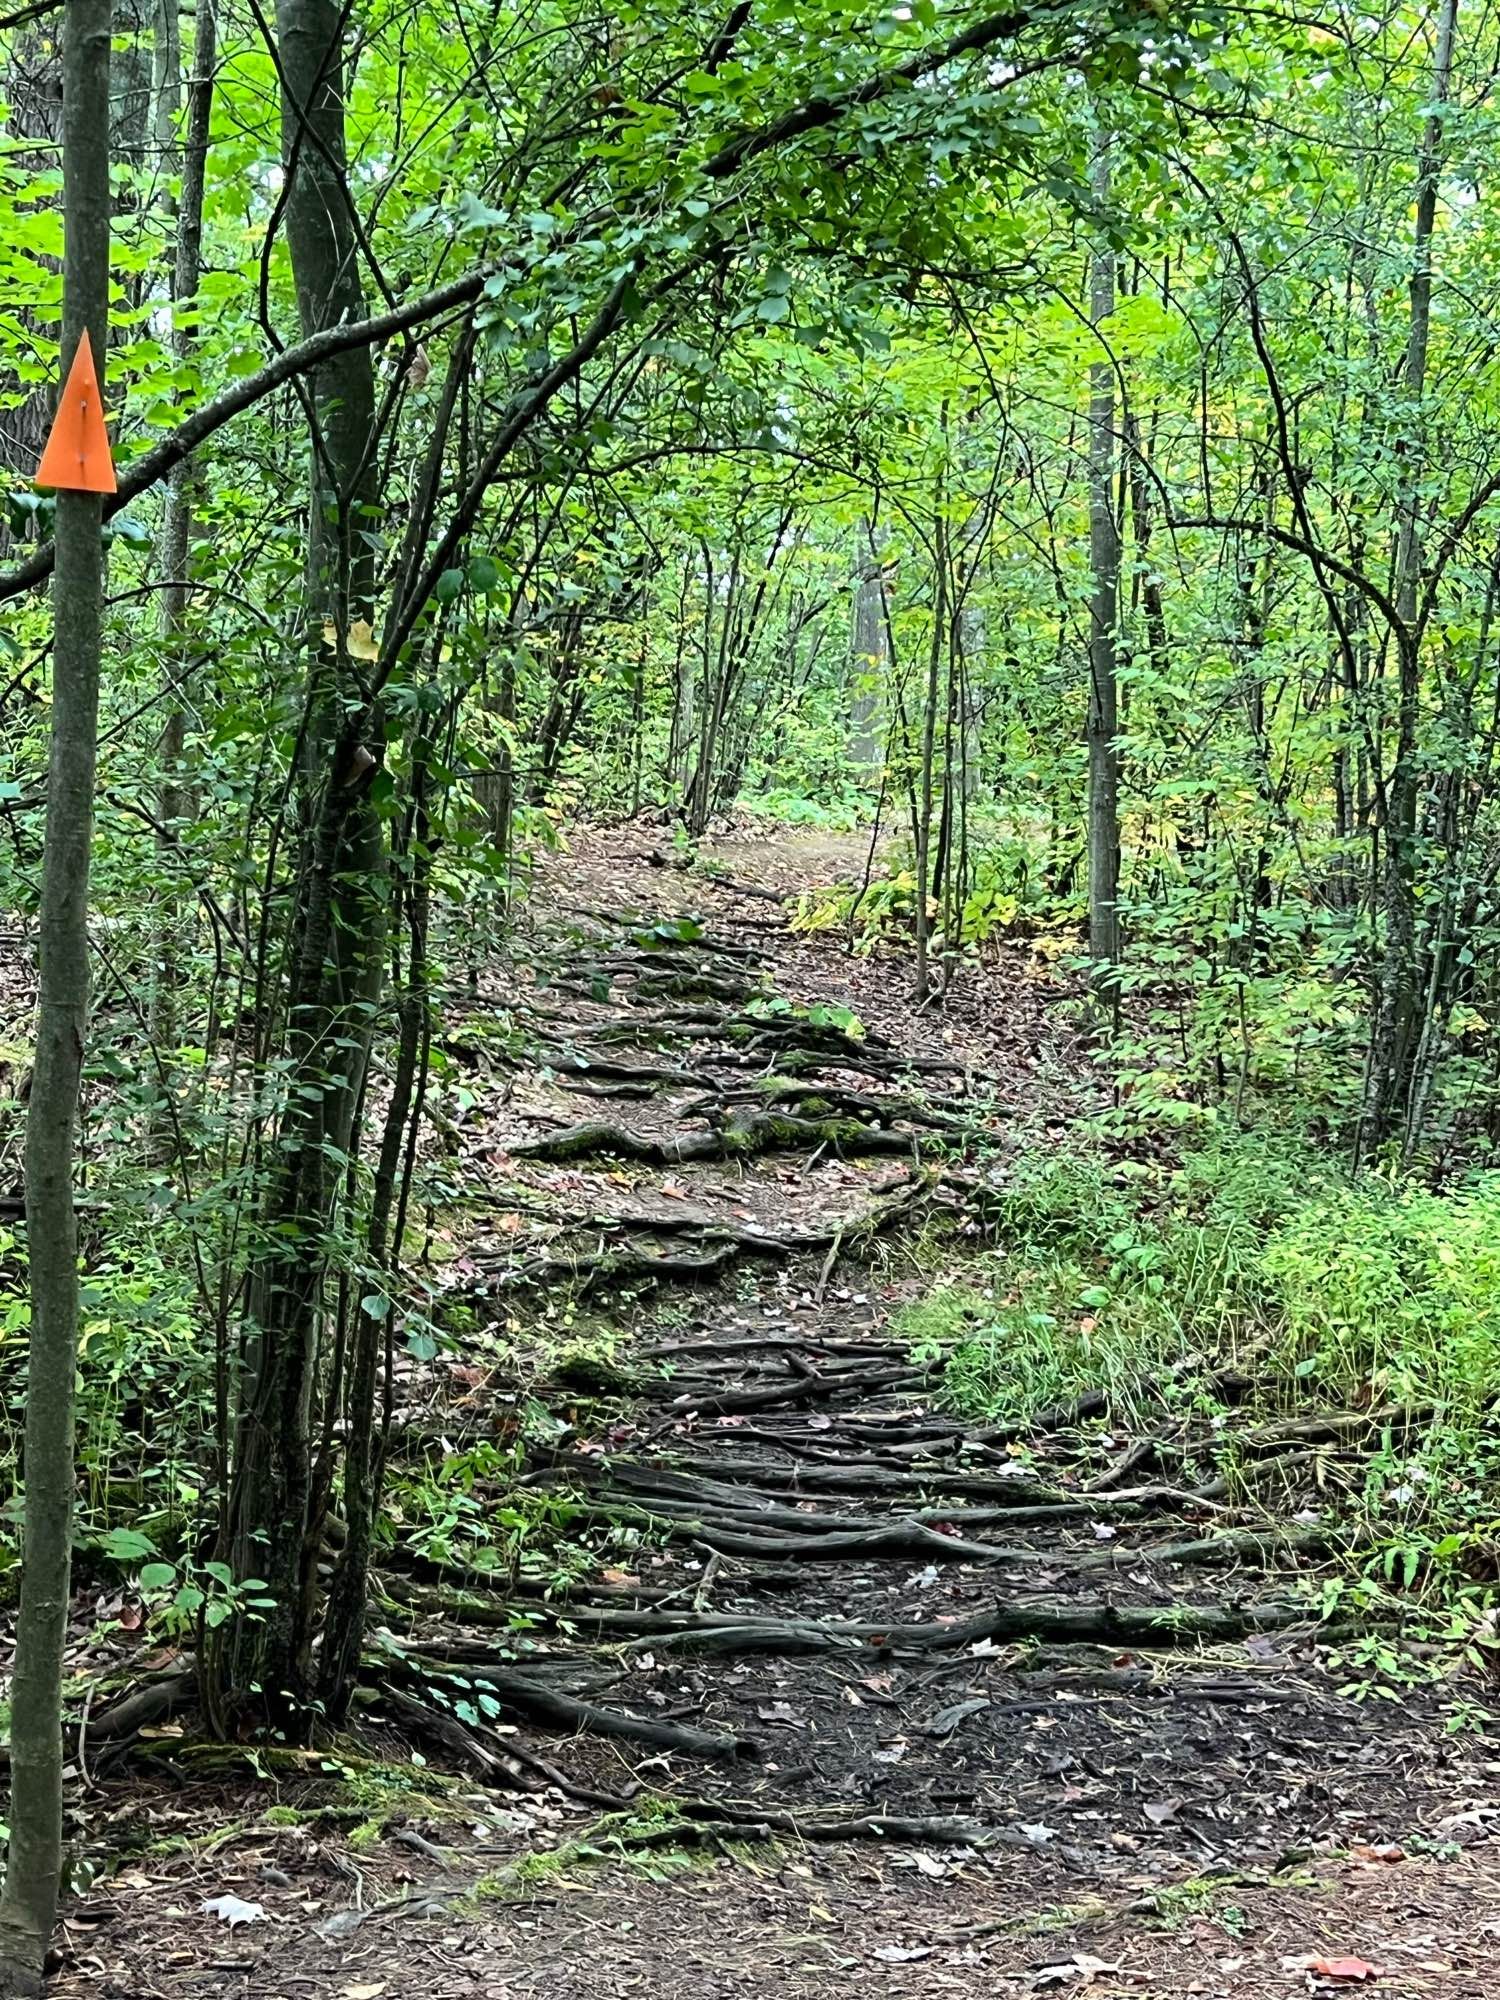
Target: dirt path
{"x": 847, "y": 1689}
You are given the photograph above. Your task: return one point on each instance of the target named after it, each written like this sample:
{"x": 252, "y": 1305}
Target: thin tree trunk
{"x": 28, "y": 1904}
{"x": 1104, "y": 564}
{"x": 929, "y": 737}
{"x": 364, "y": 1466}
{"x": 1394, "y": 1028}
{"x": 872, "y": 660}
{"x": 175, "y": 803}
{"x": 680, "y": 739}
{"x": 260, "y": 1667}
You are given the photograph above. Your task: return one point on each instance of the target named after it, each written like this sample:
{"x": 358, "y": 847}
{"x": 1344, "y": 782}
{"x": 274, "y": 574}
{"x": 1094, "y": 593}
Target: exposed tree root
{"x": 1081, "y": 1622}
{"x": 867, "y": 1477}
{"x": 825, "y": 1100}
{"x": 1247, "y": 1547}
{"x": 475, "y": 1748}
{"x": 571, "y": 1065}
{"x": 525, "y": 1696}
{"x": 941, "y": 1829}
{"x": 742, "y": 1134}
{"x": 720, "y": 1244}
{"x": 626, "y": 1265}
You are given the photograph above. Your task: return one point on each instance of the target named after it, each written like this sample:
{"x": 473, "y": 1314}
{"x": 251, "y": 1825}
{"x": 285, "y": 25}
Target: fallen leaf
{"x": 947, "y": 1719}
{"x": 782, "y": 1711}
{"x": 927, "y": 1864}
{"x": 1342, "y": 1968}
{"x": 233, "y": 1910}
{"x": 1068, "y": 1971}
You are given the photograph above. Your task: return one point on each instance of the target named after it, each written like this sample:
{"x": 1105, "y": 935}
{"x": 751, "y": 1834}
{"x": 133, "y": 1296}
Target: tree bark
{"x": 1104, "y": 565}
{"x": 175, "y": 797}
{"x": 260, "y": 1668}
{"x": 1393, "y": 1035}
{"x": 872, "y": 658}
{"x": 28, "y": 1904}
{"x": 929, "y": 740}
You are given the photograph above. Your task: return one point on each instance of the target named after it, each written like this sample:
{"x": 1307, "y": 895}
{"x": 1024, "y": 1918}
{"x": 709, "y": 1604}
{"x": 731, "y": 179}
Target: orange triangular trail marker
{"x": 77, "y": 457}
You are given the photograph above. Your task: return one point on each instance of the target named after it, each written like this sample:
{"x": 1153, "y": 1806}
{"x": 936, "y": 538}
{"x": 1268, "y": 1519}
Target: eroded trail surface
{"x": 845, "y": 1689}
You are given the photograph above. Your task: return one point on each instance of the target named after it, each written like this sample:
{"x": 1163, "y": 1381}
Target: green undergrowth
{"x": 1331, "y": 1291}
{"x": 653, "y": 1837}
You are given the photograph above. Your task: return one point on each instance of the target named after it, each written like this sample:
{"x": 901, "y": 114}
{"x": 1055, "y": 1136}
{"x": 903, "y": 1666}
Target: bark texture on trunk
{"x": 1394, "y": 1031}
{"x": 28, "y": 1904}
{"x": 872, "y": 658}
{"x": 260, "y": 1669}
{"x": 175, "y": 799}
{"x": 1104, "y": 605}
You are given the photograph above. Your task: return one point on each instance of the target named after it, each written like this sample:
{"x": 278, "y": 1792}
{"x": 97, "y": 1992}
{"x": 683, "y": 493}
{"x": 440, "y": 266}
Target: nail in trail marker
{"x": 77, "y": 457}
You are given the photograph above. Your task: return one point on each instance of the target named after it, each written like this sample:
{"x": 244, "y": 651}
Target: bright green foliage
{"x": 1141, "y": 1283}
{"x": 808, "y": 516}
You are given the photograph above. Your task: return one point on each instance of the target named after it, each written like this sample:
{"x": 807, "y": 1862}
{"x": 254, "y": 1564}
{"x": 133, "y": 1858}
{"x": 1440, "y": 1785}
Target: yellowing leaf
{"x": 359, "y": 641}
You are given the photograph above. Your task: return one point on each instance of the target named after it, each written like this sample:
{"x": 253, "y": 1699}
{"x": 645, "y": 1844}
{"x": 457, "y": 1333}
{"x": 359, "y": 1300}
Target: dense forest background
{"x": 1059, "y": 447}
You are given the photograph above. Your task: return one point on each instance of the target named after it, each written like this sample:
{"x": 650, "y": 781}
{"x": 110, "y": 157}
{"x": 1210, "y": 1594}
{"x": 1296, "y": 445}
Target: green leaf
{"x": 126, "y": 1545}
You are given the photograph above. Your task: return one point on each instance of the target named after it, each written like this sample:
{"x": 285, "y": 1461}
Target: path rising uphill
{"x": 1023, "y": 1660}
{"x": 804, "y": 1679}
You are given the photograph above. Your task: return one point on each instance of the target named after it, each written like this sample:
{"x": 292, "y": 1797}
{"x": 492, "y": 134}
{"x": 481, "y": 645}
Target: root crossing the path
{"x": 696, "y": 1539}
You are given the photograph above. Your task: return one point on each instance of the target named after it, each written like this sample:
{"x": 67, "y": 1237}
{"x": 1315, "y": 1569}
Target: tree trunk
{"x": 872, "y": 659}
{"x": 364, "y": 1456}
{"x": 175, "y": 804}
{"x": 1393, "y": 1034}
{"x": 929, "y": 742}
{"x": 259, "y": 1669}
{"x": 1104, "y": 564}
{"x": 28, "y": 1904}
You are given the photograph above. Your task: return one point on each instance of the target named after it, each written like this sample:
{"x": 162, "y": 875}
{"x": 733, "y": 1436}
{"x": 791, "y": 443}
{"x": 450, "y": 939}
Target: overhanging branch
{"x": 815, "y": 114}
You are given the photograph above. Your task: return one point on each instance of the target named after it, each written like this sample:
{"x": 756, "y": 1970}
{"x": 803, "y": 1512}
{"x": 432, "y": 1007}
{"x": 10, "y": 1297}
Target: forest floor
{"x": 871, "y": 1695}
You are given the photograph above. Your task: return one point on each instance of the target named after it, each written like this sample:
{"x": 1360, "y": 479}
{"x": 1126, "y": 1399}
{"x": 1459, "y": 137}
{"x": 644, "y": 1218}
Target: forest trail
{"x": 847, "y": 1688}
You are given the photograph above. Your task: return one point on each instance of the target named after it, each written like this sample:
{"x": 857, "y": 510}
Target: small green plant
{"x": 177, "y": 1595}
{"x": 1466, "y": 1717}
